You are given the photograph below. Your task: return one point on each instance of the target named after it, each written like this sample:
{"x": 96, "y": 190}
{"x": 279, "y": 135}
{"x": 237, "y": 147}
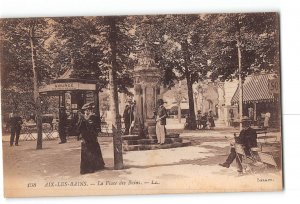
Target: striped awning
{"x": 255, "y": 89}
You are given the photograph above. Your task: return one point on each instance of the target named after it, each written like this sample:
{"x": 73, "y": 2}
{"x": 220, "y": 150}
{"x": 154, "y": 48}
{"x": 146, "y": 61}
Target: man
{"x": 128, "y": 116}
{"x": 199, "y": 116}
{"x": 266, "y": 120}
{"x": 161, "y": 117}
{"x": 247, "y": 139}
{"x": 62, "y": 125}
{"x": 15, "y": 122}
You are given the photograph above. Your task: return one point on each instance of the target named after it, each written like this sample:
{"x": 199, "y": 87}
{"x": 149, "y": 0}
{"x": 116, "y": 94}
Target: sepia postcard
{"x": 144, "y": 104}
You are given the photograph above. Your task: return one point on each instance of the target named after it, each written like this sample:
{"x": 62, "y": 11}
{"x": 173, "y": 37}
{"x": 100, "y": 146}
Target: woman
{"x": 91, "y": 156}
{"x": 199, "y": 117}
{"x": 210, "y": 119}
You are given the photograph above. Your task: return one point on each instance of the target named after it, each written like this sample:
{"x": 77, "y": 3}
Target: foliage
{"x": 258, "y": 34}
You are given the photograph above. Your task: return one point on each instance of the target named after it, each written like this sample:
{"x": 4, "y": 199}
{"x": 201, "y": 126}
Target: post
{"x": 240, "y": 84}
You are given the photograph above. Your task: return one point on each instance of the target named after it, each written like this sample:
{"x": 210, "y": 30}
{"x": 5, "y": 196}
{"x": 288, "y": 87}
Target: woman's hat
{"x": 88, "y": 106}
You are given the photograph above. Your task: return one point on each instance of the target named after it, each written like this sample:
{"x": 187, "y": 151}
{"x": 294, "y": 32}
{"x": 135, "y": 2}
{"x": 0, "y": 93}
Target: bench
{"x": 267, "y": 159}
{"x": 245, "y": 160}
{"x": 262, "y": 135}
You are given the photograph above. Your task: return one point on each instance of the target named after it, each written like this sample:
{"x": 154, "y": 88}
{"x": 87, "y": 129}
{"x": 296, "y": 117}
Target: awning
{"x": 255, "y": 89}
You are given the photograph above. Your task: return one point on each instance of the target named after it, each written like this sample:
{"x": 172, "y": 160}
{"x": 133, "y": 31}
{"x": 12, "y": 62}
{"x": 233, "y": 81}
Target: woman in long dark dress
{"x": 91, "y": 156}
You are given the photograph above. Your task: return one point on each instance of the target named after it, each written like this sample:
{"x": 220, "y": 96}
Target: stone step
{"x": 150, "y": 141}
{"x": 131, "y": 137}
{"x": 172, "y": 135}
{"x": 156, "y": 146}
{"x": 136, "y": 137}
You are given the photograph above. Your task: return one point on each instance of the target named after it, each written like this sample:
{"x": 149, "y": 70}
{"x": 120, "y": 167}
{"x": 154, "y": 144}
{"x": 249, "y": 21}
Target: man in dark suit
{"x": 161, "y": 118}
{"x": 15, "y": 122}
{"x": 128, "y": 116}
{"x": 247, "y": 138}
{"x": 62, "y": 125}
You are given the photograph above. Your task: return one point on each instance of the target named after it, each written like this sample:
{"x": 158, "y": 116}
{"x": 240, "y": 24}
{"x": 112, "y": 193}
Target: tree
{"x": 178, "y": 92}
{"x": 184, "y": 53}
{"x": 241, "y": 44}
{"x": 117, "y": 47}
{"x": 24, "y": 54}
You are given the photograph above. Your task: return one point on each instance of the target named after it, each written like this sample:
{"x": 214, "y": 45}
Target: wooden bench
{"x": 262, "y": 135}
{"x": 245, "y": 160}
{"x": 267, "y": 159}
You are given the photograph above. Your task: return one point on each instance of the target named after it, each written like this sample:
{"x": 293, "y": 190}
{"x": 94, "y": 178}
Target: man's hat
{"x": 88, "y": 106}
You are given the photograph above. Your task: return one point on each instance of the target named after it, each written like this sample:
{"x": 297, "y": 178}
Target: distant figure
{"x": 128, "y": 116}
{"x": 161, "y": 118}
{"x": 15, "y": 122}
{"x": 187, "y": 122}
{"x": 210, "y": 119}
{"x": 251, "y": 113}
{"x": 204, "y": 120}
{"x": 266, "y": 120}
{"x": 91, "y": 155}
{"x": 62, "y": 125}
{"x": 231, "y": 115}
{"x": 247, "y": 138}
{"x": 199, "y": 116}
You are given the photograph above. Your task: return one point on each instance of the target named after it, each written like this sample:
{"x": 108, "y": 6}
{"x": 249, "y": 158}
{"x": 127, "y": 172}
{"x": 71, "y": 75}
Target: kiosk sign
{"x": 68, "y": 86}
{"x": 273, "y": 85}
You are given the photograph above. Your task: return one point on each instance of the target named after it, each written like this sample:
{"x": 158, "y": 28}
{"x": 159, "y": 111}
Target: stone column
{"x": 139, "y": 104}
{"x": 150, "y": 106}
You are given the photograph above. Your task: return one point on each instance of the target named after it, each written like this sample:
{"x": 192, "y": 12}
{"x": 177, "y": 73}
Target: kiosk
{"x": 72, "y": 93}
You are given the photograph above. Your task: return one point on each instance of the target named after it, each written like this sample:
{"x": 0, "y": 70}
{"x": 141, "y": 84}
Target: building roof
{"x": 255, "y": 89}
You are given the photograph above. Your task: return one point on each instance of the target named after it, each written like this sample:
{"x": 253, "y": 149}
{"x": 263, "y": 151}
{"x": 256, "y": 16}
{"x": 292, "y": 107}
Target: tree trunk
{"x": 193, "y": 124}
{"x": 186, "y": 57}
{"x": 37, "y": 99}
{"x": 116, "y": 120}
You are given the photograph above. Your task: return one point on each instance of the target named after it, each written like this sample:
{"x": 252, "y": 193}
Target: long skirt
{"x": 91, "y": 157}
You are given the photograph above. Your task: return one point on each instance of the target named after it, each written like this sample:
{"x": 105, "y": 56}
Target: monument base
{"x": 136, "y": 143}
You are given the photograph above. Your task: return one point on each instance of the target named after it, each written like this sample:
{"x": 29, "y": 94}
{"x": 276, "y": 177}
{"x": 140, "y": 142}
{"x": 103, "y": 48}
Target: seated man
{"x": 247, "y": 139}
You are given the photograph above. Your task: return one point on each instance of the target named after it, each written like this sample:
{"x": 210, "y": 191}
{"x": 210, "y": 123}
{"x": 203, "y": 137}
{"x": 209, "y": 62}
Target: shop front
{"x": 260, "y": 96}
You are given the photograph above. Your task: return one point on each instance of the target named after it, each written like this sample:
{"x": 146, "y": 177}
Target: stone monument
{"x": 147, "y": 79}
{"x": 147, "y": 82}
